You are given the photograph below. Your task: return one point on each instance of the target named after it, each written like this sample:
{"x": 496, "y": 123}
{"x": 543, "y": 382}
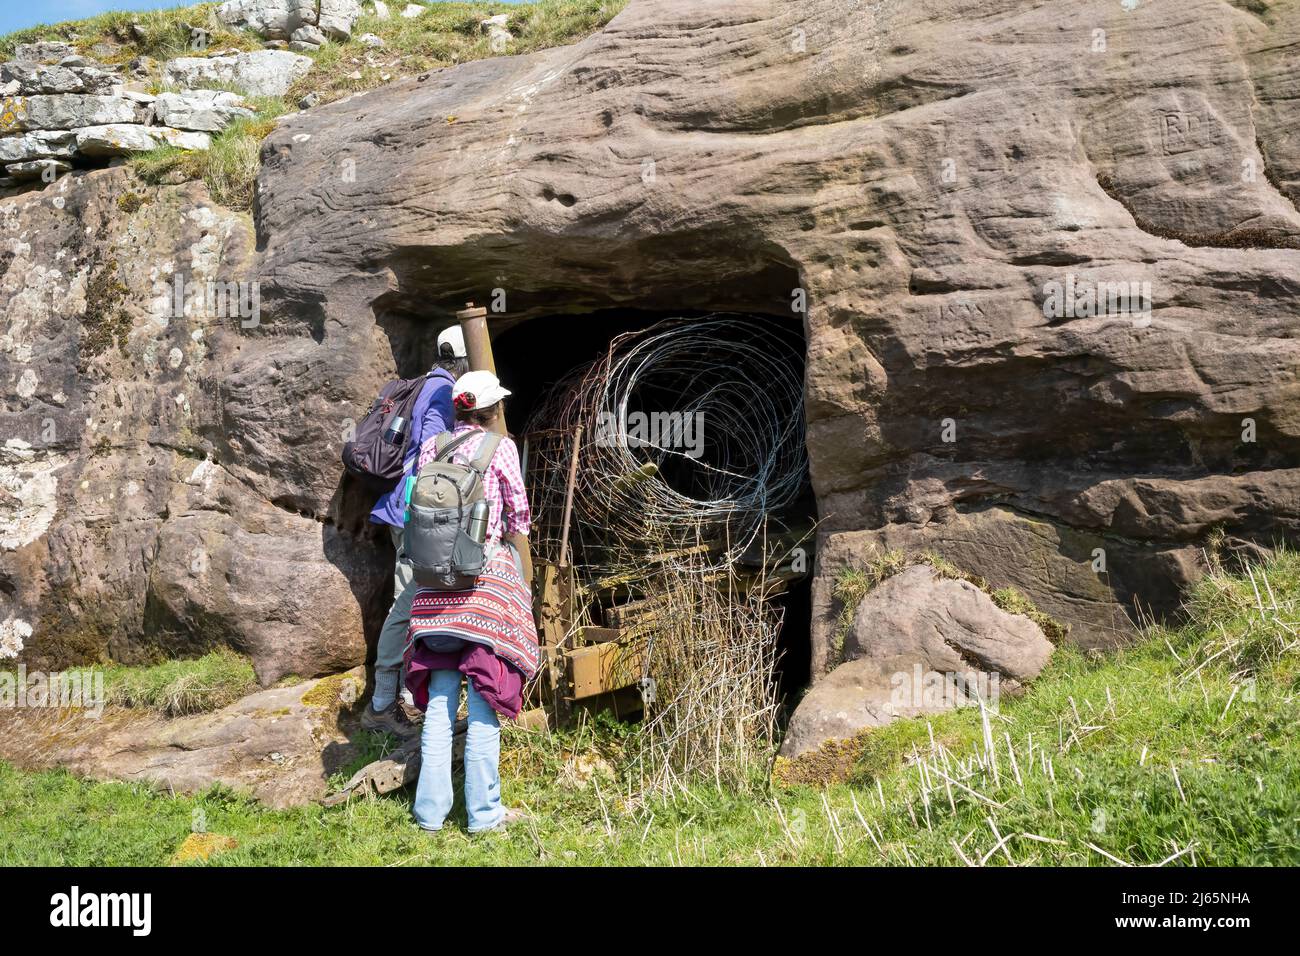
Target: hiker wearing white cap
{"x": 477, "y": 397}
{"x": 431, "y": 414}
{"x": 484, "y": 633}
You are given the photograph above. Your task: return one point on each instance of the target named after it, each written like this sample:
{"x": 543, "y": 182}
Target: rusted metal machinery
{"x": 615, "y": 517}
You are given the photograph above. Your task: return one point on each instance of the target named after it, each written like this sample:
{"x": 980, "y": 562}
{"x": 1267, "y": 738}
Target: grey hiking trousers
{"x": 392, "y": 638}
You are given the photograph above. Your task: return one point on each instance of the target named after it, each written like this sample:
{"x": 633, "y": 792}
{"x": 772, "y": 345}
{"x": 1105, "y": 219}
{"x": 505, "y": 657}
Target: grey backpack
{"x": 436, "y": 540}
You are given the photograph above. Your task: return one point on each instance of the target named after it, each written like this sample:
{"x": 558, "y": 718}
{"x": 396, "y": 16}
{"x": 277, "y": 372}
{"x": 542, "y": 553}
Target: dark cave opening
{"x": 533, "y": 355}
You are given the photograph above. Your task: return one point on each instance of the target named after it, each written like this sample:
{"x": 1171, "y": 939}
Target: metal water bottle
{"x": 396, "y": 432}
{"x": 478, "y": 520}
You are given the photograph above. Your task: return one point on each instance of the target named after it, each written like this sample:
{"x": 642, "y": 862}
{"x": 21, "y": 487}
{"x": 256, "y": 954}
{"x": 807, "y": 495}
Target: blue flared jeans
{"x": 433, "y": 792}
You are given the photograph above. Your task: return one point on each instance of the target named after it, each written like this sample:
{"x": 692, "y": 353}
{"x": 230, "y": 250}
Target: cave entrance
{"x": 682, "y": 421}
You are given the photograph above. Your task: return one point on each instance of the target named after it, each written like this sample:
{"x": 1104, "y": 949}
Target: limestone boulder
{"x": 498, "y": 31}
{"x": 46, "y": 169}
{"x": 274, "y": 19}
{"x": 70, "y": 111}
{"x": 120, "y": 139}
{"x": 37, "y": 145}
{"x": 257, "y": 73}
{"x": 207, "y": 111}
{"x": 309, "y": 35}
{"x": 34, "y": 78}
{"x": 44, "y": 51}
{"x": 337, "y": 17}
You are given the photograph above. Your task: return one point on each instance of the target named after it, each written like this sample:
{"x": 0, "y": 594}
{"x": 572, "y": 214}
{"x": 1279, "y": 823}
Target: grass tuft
{"x": 180, "y": 687}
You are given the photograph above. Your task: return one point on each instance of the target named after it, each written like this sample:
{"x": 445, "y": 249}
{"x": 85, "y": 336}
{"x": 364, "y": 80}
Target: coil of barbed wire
{"x": 691, "y": 429}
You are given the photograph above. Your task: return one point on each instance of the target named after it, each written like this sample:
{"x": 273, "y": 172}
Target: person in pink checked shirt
{"x": 503, "y": 482}
{"x": 484, "y": 633}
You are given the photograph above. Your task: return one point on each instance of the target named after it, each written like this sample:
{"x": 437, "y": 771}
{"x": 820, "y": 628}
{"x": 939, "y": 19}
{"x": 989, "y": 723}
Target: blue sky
{"x": 17, "y": 14}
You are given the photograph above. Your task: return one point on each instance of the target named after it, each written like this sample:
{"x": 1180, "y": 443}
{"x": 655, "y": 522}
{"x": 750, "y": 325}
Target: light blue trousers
{"x": 433, "y": 792}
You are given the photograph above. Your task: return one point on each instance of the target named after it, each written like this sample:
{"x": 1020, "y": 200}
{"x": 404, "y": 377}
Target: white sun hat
{"x": 477, "y": 390}
{"x": 452, "y": 335}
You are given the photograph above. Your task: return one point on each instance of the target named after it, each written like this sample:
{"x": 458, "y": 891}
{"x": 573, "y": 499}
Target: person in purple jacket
{"x": 431, "y": 416}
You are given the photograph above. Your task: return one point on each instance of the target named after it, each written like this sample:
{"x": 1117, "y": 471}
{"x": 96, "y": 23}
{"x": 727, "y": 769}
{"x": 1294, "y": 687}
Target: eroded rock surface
{"x": 126, "y": 528}
{"x": 924, "y": 172}
{"x": 928, "y": 173}
{"x": 280, "y": 745}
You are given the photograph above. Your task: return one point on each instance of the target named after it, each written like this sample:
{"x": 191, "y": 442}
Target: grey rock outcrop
{"x": 337, "y": 16}
{"x": 77, "y": 112}
{"x": 38, "y": 145}
{"x": 203, "y": 110}
{"x": 121, "y": 139}
{"x": 274, "y": 19}
{"x": 499, "y": 35}
{"x": 71, "y": 111}
{"x": 44, "y": 51}
{"x": 310, "y": 35}
{"x": 919, "y": 644}
{"x": 282, "y": 19}
{"x": 33, "y": 77}
{"x": 258, "y": 73}
{"x": 47, "y": 169}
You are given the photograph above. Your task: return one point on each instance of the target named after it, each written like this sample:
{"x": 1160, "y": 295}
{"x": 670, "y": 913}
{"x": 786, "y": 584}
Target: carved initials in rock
{"x": 1182, "y": 130}
{"x": 962, "y": 310}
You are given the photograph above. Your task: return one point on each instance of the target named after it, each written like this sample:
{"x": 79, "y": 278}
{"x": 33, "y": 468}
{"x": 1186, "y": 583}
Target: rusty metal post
{"x": 478, "y": 345}
{"x": 478, "y": 348}
{"x": 568, "y": 497}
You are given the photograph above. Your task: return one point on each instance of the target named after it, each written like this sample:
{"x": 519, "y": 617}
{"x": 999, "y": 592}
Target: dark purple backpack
{"x": 372, "y": 457}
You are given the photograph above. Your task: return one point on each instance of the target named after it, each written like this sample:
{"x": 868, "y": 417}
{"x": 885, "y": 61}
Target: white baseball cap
{"x": 477, "y": 390}
{"x": 452, "y": 335}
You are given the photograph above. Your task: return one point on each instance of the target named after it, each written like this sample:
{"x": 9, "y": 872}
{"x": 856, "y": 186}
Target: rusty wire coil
{"x": 691, "y": 430}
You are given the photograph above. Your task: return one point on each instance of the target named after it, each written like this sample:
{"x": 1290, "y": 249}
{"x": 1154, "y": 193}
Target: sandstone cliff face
{"x": 126, "y": 532}
{"x": 925, "y": 172}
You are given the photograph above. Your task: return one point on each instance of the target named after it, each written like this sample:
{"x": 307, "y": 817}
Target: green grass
{"x": 110, "y": 37}
{"x": 444, "y": 36}
{"x": 229, "y": 166}
{"x": 179, "y": 687}
{"x": 1187, "y": 742}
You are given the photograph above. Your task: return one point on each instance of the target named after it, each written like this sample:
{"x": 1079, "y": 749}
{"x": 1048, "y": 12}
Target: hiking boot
{"x": 390, "y": 720}
{"x": 512, "y": 816}
{"x": 413, "y": 715}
